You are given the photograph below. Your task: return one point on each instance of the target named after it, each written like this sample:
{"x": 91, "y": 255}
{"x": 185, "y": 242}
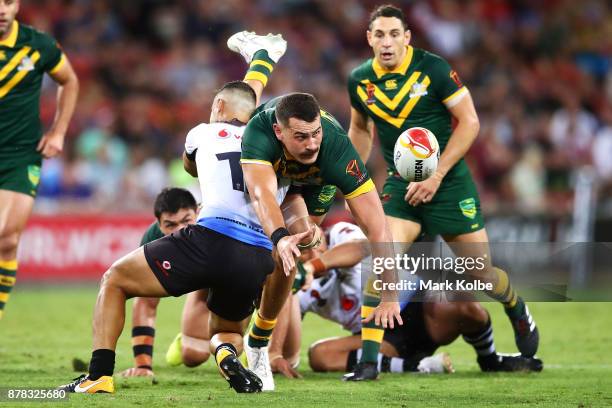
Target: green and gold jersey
{"x": 416, "y": 93}
{"x": 338, "y": 163}
{"x": 25, "y": 55}
{"x": 152, "y": 233}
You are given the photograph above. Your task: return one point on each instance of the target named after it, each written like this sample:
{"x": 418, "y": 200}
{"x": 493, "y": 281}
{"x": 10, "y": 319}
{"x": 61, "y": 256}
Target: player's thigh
{"x": 195, "y": 315}
{"x": 403, "y": 230}
{"x": 218, "y": 324}
{"x": 472, "y": 245}
{"x": 443, "y": 321}
{"x": 404, "y": 220}
{"x": 134, "y": 276}
{"x": 15, "y": 209}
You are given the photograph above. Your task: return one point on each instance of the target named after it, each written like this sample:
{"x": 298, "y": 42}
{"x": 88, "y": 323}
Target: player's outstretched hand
{"x": 288, "y": 250}
{"x": 281, "y": 365}
{"x": 51, "y": 144}
{"x": 137, "y": 372}
{"x": 385, "y": 313}
{"x": 422, "y": 192}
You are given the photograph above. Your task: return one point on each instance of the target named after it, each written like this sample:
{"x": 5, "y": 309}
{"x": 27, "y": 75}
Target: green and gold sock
{"x": 8, "y": 273}
{"x": 260, "y": 332}
{"x": 260, "y": 68}
{"x": 504, "y": 292}
{"x": 371, "y": 335}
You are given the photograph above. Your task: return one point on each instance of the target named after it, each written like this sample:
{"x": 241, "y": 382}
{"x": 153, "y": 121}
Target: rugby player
{"x": 174, "y": 208}
{"x": 25, "y": 55}
{"x": 335, "y": 295}
{"x": 291, "y": 137}
{"x": 227, "y": 250}
{"x": 403, "y": 87}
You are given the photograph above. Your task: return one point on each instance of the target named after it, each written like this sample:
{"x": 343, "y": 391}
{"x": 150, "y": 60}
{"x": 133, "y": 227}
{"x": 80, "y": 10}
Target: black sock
{"x": 102, "y": 363}
{"x": 482, "y": 341}
{"x": 351, "y": 361}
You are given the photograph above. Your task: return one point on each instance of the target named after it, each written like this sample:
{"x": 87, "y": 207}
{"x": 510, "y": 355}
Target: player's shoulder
{"x": 152, "y": 233}
{"x": 429, "y": 59}
{"x": 362, "y": 71}
{"x": 35, "y": 36}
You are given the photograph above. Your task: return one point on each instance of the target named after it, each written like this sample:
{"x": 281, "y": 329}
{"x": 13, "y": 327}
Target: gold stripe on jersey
{"x": 11, "y": 40}
{"x": 254, "y": 161}
{"x": 362, "y": 189}
{"x": 392, "y": 103}
{"x": 450, "y": 99}
{"x": 59, "y": 65}
{"x": 413, "y": 101}
{"x": 13, "y": 62}
{"x": 379, "y": 70}
{"x": 6, "y": 88}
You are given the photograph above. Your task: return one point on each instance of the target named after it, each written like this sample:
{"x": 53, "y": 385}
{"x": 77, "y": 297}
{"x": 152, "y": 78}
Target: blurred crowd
{"x": 539, "y": 71}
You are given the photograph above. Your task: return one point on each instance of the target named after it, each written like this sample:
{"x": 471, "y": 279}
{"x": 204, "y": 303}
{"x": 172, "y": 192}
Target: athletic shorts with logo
{"x": 196, "y": 257}
{"x": 454, "y": 209}
{"x": 21, "y": 177}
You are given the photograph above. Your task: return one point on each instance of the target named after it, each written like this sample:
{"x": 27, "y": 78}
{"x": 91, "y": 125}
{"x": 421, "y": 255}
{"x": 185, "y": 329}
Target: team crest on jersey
{"x": 390, "y": 84}
{"x": 327, "y": 194}
{"x": 352, "y": 169}
{"x": 468, "y": 207}
{"x": 26, "y": 64}
{"x": 417, "y": 89}
{"x": 370, "y": 88}
{"x": 2, "y": 55}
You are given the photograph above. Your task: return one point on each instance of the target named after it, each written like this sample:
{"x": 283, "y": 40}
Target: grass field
{"x": 44, "y": 328}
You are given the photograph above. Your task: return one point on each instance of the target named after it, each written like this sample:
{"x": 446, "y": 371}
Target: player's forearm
{"x": 458, "y": 145}
{"x": 346, "y": 255}
{"x": 267, "y": 210}
{"x": 67, "y": 95}
{"x": 362, "y": 140}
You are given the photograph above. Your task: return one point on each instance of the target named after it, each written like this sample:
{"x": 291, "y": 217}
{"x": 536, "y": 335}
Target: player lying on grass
{"x": 334, "y": 294}
{"x": 174, "y": 208}
{"x": 226, "y": 252}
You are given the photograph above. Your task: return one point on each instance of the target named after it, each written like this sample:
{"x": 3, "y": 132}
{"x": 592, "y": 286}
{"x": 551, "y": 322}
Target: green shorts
{"x": 454, "y": 209}
{"x": 319, "y": 199}
{"x": 22, "y": 178}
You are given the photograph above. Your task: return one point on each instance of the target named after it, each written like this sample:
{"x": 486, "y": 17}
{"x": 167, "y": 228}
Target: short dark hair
{"x": 297, "y": 105}
{"x": 240, "y": 86}
{"x": 388, "y": 10}
{"x": 173, "y": 199}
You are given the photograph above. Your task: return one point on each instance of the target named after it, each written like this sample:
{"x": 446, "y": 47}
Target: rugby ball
{"x": 416, "y": 154}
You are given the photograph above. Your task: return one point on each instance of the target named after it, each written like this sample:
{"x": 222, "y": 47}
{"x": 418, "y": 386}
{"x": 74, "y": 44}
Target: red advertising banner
{"x": 77, "y": 247}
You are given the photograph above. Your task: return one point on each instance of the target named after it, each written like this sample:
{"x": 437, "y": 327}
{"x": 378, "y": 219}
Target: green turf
{"x": 45, "y": 328}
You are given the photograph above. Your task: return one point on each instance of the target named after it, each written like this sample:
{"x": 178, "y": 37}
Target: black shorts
{"x": 196, "y": 257}
{"x": 411, "y": 340}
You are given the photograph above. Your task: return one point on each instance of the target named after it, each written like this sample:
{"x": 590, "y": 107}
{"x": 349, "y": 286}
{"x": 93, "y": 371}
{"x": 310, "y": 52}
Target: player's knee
{"x": 193, "y": 357}
{"x": 316, "y": 357}
{"x": 473, "y": 312}
{"x": 8, "y": 245}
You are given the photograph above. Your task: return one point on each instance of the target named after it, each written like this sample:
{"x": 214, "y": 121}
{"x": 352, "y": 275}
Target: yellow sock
{"x": 503, "y": 291}
{"x": 8, "y": 273}
{"x": 260, "y": 332}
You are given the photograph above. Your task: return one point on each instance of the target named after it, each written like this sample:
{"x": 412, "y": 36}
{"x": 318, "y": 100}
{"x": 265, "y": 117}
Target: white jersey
{"x": 226, "y": 206}
{"x": 337, "y": 295}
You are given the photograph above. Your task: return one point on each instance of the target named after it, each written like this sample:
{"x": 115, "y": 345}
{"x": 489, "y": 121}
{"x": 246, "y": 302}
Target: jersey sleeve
{"x": 52, "y": 56}
{"x": 192, "y": 141}
{"x": 446, "y": 82}
{"x": 352, "y": 85}
{"x": 343, "y": 168}
{"x": 259, "y": 142}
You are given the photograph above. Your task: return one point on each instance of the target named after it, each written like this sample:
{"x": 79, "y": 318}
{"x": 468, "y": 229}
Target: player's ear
{"x": 369, "y": 37}
{"x": 277, "y": 131}
{"x": 407, "y": 37}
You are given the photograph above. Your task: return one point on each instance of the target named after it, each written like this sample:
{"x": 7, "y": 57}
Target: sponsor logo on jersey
{"x": 418, "y": 89}
{"x": 348, "y": 303}
{"x": 390, "y": 84}
{"x": 468, "y": 207}
{"x": 455, "y": 77}
{"x": 352, "y": 169}
{"x": 223, "y": 134}
{"x": 26, "y": 64}
{"x": 370, "y": 89}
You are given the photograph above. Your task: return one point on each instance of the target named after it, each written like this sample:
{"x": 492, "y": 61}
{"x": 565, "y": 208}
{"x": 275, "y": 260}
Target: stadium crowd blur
{"x": 540, "y": 74}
